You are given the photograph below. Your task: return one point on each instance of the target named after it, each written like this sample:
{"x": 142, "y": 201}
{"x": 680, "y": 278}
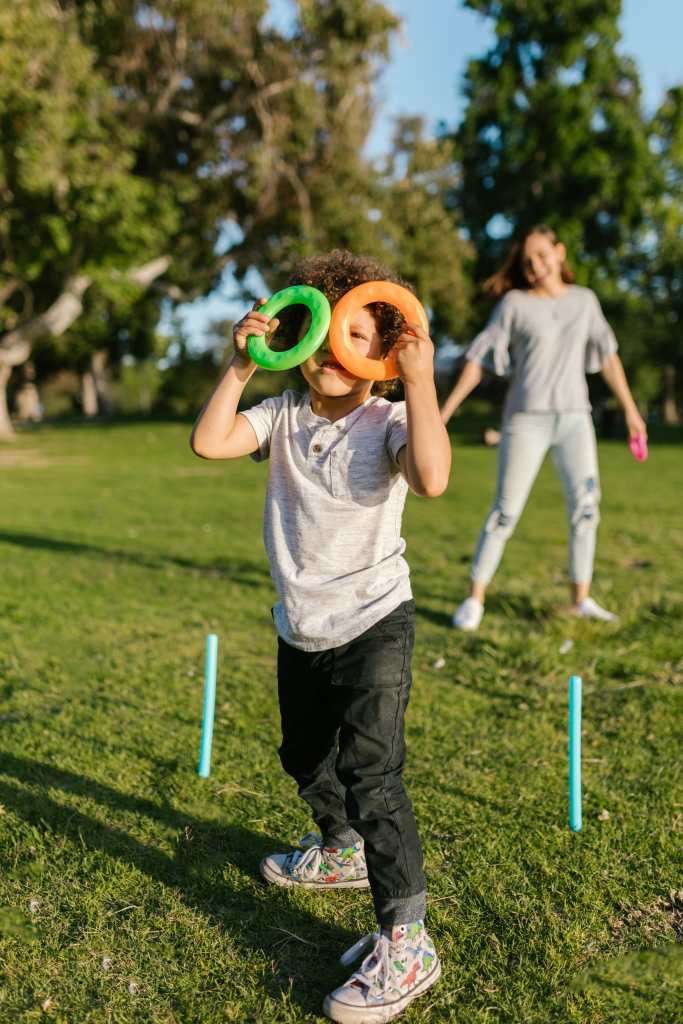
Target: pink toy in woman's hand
{"x": 638, "y": 446}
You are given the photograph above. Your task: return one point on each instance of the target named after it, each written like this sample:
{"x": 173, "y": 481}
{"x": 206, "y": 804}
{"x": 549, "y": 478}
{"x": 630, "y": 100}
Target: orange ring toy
{"x": 340, "y": 326}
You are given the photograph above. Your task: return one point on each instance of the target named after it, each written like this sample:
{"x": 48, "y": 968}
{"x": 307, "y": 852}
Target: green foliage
{"x": 176, "y": 128}
{"x": 187, "y": 382}
{"x": 421, "y": 231}
{"x": 662, "y": 273}
{"x": 554, "y": 132}
{"x": 311, "y": 189}
{"x": 73, "y": 200}
{"x": 138, "y": 385}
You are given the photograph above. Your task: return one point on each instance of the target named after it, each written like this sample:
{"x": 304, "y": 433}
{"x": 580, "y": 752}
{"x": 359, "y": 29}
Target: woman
{"x": 545, "y": 334}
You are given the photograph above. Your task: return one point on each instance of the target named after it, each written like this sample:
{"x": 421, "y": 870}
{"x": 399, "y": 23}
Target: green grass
{"x": 129, "y": 888}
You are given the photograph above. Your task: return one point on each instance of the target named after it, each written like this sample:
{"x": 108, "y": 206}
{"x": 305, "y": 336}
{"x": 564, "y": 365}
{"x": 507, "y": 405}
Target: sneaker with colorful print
{"x": 402, "y": 965}
{"x": 318, "y": 867}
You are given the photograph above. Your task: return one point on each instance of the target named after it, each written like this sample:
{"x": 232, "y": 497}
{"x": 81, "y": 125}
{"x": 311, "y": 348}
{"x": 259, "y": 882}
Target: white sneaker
{"x": 318, "y": 867}
{"x": 399, "y": 969}
{"x": 468, "y": 615}
{"x": 590, "y": 609}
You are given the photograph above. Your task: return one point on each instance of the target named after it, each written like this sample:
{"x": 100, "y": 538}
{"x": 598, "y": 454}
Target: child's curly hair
{"x": 335, "y": 273}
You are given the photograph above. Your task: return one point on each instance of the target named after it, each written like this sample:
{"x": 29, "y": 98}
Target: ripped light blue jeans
{"x": 526, "y": 438}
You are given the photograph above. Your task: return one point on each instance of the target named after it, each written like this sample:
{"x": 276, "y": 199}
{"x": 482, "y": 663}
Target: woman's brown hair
{"x": 511, "y": 273}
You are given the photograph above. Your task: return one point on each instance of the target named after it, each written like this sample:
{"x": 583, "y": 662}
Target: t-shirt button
{"x": 316, "y": 448}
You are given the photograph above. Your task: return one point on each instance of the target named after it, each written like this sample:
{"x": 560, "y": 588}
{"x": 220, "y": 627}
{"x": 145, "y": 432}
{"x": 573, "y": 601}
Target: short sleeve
{"x": 491, "y": 347}
{"x": 397, "y": 430}
{"x": 601, "y": 340}
{"x": 261, "y": 418}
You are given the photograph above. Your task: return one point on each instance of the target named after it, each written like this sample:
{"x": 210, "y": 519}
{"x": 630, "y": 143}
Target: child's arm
{"x": 426, "y": 458}
{"x": 471, "y": 375}
{"x": 613, "y": 372}
{"x": 219, "y": 433}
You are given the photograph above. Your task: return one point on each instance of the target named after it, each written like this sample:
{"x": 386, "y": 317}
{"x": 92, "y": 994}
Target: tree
{"x": 553, "y": 131}
{"x": 159, "y": 143}
{"x": 421, "y": 228}
{"x": 663, "y": 275}
{"x": 147, "y": 147}
{"x": 312, "y": 188}
{"x": 74, "y": 211}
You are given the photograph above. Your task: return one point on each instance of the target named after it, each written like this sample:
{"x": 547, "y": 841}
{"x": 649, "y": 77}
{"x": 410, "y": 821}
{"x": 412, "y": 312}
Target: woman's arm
{"x": 471, "y": 375}
{"x": 613, "y": 372}
{"x": 425, "y": 460}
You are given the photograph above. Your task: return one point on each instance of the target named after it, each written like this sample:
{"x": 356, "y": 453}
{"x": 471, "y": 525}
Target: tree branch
{"x": 15, "y": 345}
{"x": 147, "y": 272}
{"x": 10, "y": 286}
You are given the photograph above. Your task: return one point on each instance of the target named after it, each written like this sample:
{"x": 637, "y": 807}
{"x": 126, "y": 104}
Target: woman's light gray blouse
{"x": 546, "y": 346}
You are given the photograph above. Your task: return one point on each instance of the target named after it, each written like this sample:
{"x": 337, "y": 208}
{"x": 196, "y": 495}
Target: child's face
{"x": 326, "y": 376}
{"x": 542, "y": 261}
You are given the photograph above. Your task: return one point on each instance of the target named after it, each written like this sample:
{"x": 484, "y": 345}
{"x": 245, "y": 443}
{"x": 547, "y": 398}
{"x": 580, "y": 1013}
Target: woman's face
{"x": 542, "y": 261}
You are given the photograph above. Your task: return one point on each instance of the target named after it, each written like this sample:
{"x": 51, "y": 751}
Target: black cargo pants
{"x": 342, "y": 716}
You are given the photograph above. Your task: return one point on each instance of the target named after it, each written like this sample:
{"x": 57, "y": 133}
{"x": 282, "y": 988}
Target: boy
{"x": 341, "y": 461}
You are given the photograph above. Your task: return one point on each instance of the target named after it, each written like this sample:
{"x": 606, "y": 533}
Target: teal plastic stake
{"x": 210, "y": 663}
{"x": 575, "y": 753}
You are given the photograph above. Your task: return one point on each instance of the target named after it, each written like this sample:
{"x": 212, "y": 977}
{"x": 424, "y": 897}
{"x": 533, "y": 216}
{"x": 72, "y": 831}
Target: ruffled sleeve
{"x": 491, "y": 347}
{"x": 601, "y": 340}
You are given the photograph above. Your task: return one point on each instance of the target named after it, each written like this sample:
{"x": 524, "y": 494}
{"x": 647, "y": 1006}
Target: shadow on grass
{"x": 509, "y": 606}
{"x": 265, "y": 920}
{"x": 251, "y": 574}
{"x": 519, "y": 606}
{"x": 438, "y": 618}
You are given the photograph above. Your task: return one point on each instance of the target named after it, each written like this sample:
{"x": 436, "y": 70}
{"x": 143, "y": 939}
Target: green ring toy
{"x": 313, "y": 338}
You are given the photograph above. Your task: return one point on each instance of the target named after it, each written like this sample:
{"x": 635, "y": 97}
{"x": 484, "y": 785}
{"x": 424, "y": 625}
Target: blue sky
{"x": 439, "y": 36}
{"x": 424, "y": 77}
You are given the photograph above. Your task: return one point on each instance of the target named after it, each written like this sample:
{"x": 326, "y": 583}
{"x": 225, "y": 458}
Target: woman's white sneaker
{"x": 590, "y": 609}
{"x": 468, "y": 615}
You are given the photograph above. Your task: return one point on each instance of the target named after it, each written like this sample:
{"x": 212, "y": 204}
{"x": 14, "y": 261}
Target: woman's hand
{"x": 613, "y": 372}
{"x": 252, "y": 322}
{"x": 635, "y": 424}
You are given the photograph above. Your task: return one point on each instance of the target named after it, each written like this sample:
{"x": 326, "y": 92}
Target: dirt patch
{"x": 661, "y": 918}
{"x": 28, "y": 458}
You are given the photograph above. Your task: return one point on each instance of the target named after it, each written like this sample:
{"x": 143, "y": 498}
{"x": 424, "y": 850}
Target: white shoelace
{"x": 375, "y": 963}
{"x": 313, "y": 846}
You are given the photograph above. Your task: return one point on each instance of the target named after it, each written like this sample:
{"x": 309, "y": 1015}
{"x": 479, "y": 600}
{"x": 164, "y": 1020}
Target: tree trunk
{"x": 98, "y": 365}
{"x": 15, "y": 345}
{"x": 95, "y": 386}
{"x": 27, "y": 404}
{"x": 670, "y": 412}
{"x": 27, "y": 407}
{"x": 6, "y": 428}
{"x": 89, "y": 402}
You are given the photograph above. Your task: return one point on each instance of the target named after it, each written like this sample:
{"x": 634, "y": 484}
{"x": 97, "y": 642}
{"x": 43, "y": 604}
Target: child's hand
{"x": 251, "y": 323}
{"x": 414, "y": 351}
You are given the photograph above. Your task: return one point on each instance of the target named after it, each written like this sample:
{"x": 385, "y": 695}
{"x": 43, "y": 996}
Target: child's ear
{"x": 561, "y": 251}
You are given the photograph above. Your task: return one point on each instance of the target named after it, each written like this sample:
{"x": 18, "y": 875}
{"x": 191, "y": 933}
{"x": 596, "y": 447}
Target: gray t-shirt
{"x": 547, "y": 346}
{"x": 332, "y": 524}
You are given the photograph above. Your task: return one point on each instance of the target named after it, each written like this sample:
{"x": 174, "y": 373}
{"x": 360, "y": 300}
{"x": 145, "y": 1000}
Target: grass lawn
{"x": 129, "y": 888}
